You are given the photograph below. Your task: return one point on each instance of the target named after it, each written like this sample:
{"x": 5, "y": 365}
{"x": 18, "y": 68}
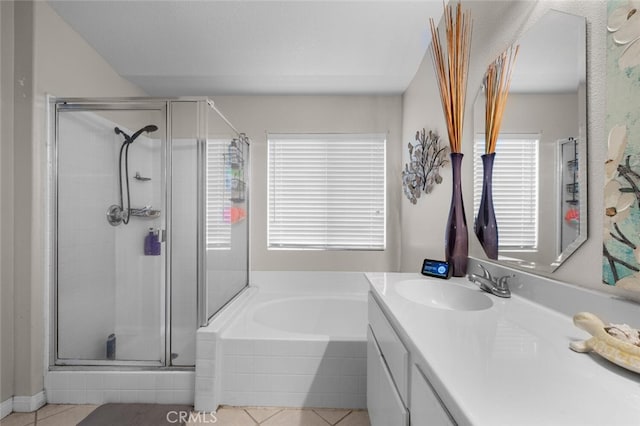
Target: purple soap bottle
{"x": 148, "y": 243}
{"x": 156, "y": 247}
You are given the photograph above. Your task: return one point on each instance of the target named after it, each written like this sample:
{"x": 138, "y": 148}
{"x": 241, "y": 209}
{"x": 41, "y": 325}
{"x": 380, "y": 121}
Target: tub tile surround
{"x": 517, "y": 351}
{"x": 241, "y": 362}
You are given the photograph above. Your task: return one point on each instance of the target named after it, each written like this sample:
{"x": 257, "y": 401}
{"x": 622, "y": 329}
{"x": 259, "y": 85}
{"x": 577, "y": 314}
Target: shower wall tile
{"x": 164, "y": 397}
{"x": 110, "y": 396}
{"x": 184, "y": 396}
{"x": 80, "y": 387}
{"x": 129, "y": 396}
{"x": 77, "y": 382}
{"x": 184, "y": 382}
{"x": 95, "y": 381}
{"x": 95, "y": 397}
{"x": 146, "y": 396}
{"x": 164, "y": 381}
{"x": 85, "y": 241}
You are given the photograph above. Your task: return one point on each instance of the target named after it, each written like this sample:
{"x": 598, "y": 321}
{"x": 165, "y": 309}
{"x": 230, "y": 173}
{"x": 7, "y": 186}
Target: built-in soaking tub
{"x": 295, "y": 339}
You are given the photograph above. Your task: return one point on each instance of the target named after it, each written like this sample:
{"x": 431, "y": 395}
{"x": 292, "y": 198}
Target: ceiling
{"x": 181, "y": 48}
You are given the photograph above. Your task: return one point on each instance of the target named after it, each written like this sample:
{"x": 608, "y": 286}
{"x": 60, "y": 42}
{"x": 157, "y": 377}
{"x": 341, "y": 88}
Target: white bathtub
{"x": 295, "y": 339}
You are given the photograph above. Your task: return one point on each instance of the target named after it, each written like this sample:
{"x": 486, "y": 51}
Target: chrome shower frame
{"x": 55, "y": 105}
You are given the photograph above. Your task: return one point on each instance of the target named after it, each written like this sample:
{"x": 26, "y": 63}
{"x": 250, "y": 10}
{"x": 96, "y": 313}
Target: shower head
{"x": 129, "y": 139}
{"x": 150, "y": 128}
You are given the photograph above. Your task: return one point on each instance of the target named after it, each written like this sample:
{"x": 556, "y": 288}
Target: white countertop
{"x": 509, "y": 364}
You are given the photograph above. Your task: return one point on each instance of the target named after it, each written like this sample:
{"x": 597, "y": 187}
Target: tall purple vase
{"x": 486, "y": 227}
{"x": 456, "y": 244}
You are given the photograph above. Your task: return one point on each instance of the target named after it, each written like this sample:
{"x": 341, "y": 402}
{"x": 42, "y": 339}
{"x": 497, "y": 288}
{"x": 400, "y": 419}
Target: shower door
{"x": 109, "y": 231}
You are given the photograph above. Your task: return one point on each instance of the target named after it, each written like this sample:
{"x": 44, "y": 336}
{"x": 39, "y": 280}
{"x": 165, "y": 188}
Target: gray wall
{"x": 258, "y": 115}
{"x": 49, "y": 58}
{"x": 6, "y": 200}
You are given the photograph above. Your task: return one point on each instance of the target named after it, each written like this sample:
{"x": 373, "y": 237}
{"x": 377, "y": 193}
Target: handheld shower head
{"x": 150, "y": 128}
{"x": 129, "y": 139}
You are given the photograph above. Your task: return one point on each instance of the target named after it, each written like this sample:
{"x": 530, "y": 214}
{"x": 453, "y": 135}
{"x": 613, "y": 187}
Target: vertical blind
{"x": 218, "y": 200}
{"x": 515, "y": 188}
{"x": 326, "y": 191}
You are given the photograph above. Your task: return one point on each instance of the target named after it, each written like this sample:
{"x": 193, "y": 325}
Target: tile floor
{"x": 68, "y": 415}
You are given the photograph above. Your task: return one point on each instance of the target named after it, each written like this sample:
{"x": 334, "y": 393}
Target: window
{"x": 515, "y": 188}
{"x": 218, "y": 201}
{"x": 326, "y": 191}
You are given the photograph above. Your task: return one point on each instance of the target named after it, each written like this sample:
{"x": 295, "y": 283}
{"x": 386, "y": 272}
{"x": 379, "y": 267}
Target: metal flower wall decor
{"x": 422, "y": 172}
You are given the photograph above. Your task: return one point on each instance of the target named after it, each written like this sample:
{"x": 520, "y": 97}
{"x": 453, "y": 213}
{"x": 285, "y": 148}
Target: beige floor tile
{"x": 19, "y": 419}
{"x": 228, "y": 416}
{"x": 355, "y": 418}
{"x": 68, "y": 417}
{"x": 292, "y": 417}
{"x": 331, "y": 415}
{"x": 52, "y": 409}
{"x": 261, "y": 414}
{"x": 204, "y": 418}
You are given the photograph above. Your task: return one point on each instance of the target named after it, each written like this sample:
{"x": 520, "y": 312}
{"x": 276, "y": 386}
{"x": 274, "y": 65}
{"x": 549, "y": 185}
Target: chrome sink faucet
{"x": 496, "y": 286}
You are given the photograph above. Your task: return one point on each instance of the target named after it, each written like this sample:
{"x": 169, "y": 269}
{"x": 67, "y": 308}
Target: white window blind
{"x": 515, "y": 188}
{"x": 326, "y": 191}
{"x": 218, "y": 199}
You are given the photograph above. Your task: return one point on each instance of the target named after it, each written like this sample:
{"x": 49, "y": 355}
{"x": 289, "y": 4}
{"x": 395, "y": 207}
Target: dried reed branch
{"x": 452, "y": 69}
{"x": 497, "y": 82}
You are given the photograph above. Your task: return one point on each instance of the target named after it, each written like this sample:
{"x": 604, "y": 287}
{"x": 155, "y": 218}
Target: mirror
{"x": 540, "y": 169}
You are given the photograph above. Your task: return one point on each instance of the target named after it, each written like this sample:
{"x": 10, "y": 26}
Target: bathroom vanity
{"x": 444, "y": 352}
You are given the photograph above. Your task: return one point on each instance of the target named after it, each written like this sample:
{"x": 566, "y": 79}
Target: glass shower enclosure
{"x": 150, "y": 227}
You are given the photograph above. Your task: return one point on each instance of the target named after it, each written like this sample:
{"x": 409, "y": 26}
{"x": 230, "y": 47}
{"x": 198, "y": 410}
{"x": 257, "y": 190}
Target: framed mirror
{"x": 540, "y": 169}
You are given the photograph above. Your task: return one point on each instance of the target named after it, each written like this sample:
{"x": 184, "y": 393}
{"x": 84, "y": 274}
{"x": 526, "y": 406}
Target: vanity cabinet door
{"x": 383, "y": 401}
{"x": 425, "y": 405}
{"x": 395, "y": 354}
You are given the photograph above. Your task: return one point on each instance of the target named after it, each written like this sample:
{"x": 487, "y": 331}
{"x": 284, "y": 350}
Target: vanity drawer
{"x": 393, "y": 350}
{"x": 383, "y": 402}
{"x": 426, "y": 407}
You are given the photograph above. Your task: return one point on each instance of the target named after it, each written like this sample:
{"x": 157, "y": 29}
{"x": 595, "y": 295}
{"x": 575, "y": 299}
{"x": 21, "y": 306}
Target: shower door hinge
{"x": 163, "y": 235}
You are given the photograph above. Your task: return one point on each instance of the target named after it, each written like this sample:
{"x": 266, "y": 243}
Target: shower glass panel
{"x": 227, "y": 229}
{"x": 184, "y": 230}
{"x": 110, "y": 283}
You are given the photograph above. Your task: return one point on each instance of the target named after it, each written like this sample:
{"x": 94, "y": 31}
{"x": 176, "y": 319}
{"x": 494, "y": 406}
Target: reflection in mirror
{"x": 539, "y": 175}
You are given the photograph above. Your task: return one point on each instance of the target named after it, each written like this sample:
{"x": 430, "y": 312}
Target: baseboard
{"x": 6, "y": 407}
{"x": 27, "y": 404}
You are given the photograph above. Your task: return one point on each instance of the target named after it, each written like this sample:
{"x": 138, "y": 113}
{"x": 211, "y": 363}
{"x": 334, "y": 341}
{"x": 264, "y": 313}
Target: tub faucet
{"x": 496, "y": 286}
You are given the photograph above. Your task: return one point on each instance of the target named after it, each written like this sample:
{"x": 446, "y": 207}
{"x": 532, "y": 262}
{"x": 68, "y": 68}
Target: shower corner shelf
{"x": 141, "y": 178}
{"x": 145, "y": 212}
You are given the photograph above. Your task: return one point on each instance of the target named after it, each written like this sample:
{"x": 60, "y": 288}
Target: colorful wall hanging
{"x": 621, "y": 236}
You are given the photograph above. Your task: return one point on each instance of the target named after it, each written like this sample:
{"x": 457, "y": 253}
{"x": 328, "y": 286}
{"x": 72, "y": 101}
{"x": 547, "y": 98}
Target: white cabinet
{"x": 389, "y": 390}
{"x": 393, "y": 350}
{"x": 383, "y": 401}
{"x": 426, "y": 407}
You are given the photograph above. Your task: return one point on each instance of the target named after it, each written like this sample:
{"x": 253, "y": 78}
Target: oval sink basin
{"x": 443, "y": 295}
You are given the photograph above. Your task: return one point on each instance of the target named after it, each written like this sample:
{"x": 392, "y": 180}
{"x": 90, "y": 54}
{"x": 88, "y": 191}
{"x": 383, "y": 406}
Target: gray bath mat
{"x": 136, "y": 415}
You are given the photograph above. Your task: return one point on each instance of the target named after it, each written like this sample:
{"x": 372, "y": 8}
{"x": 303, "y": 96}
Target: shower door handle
{"x": 162, "y": 235}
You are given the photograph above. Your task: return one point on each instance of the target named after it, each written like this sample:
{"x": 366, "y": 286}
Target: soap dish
{"x": 614, "y": 349}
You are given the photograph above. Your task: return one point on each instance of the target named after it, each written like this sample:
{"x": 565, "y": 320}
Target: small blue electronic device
{"x": 436, "y": 268}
